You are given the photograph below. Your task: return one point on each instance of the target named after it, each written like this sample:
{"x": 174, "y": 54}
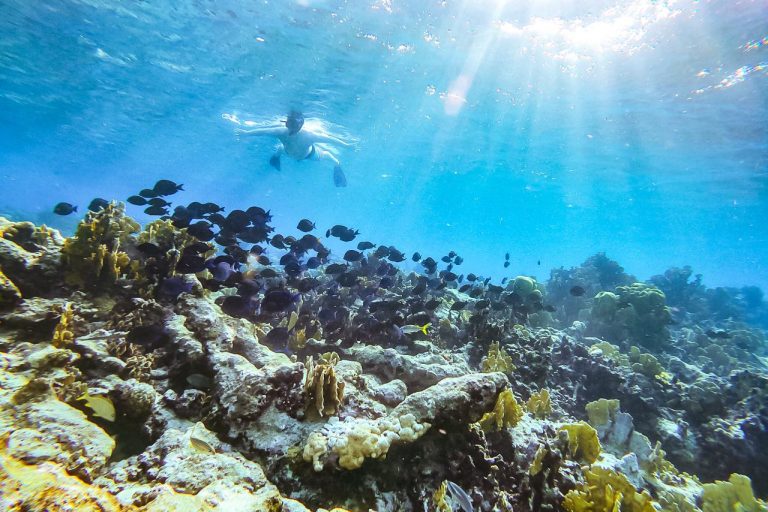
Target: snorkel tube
{"x": 294, "y": 122}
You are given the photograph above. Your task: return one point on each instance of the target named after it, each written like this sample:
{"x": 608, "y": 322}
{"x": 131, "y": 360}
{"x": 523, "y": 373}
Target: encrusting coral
{"x": 323, "y": 392}
{"x": 92, "y": 257}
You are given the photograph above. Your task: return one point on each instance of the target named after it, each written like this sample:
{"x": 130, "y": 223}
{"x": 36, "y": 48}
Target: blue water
{"x": 549, "y": 130}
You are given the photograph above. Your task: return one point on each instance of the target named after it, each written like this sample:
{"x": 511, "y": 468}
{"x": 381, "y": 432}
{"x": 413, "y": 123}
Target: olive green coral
{"x": 497, "y": 360}
{"x": 582, "y": 441}
{"x": 323, "y": 392}
{"x": 63, "y": 334}
{"x": 93, "y": 257}
{"x": 735, "y": 495}
{"x": 506, "y": 413}
{"x": 539, "y": 404}
{"x": 607, "y": 491}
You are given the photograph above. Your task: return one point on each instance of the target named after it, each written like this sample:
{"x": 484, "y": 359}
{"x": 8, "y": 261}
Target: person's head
{"x": 294, "y": 122}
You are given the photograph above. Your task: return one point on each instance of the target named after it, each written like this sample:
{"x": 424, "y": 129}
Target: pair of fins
{"x": 339, "y": 179}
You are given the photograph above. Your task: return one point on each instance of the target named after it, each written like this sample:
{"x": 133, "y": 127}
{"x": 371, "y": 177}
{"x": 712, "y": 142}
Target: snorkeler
{"x": 299, "y": 144}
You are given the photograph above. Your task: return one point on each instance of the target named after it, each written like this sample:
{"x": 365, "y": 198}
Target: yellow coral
{"x": 602, "y": 411}
{"x": 735, "y": 495}
{"x": 538, "y": 461}
{"x": 93, "y": 257}
{"x": 582, "y": 441}
{"x": 539, "y": 404}
{"x": 607, "y": 491}
{"x": 438, "y": 498}
{"x": 497, "y": 360}
{"x": 506, "y": 413}
{"x": 62, "y": 334}
{"x": 322, "y": 390}
{"x": 9, "y": 292}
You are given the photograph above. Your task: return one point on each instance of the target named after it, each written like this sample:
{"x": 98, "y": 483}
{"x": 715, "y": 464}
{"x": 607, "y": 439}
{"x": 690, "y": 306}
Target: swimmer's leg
{"x": 274, "y": 161}
{"x": 338, "y": 175}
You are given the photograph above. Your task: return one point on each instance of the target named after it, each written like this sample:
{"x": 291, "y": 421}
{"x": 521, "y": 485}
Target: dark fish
{"x": 64, "y": 209}
{"x": 276, "y": 300}
{"x": 237, "y": 220}
{"x": 482, "y": 304}
{"x": 137, "y": 200}
{"x": 338, "y": 230}
{"x": 416, "y": 256}
{"x": 313, "y": 262}
{"x": 347, "y": 279}
{"x": 386, "y": 282}
{"x": 148, "y": 193}
{"x": 305, "y": 225}
{"x": 449, "y": 276}
{"x": 487, "y": 280}
{"x": 278, "y": 242}
{"x": 381, "y": 251}
{"x": 248, "y": 287}
{"x": 307, "y": 284}
{"x": 538, "y": 262}
{"x": 449, "y": 267}
{"x": 495, "y": 288}
{"x": 256, "y": 250}
{"x": 263, "y": 260}
{"x": 458, "y": 260}
{"x": 201, "y": 230}
{"x": 352, "y": 255}
{"x": 166, "y": 187}
{"x": 156, "y": 210}
{"x": 211, "y": 208}
{"x": 288, "y": 258}
{"x": 577, "y": 291}
{"x": 278, "y": 336}
{"x": 172, "y": 287}
{"x": 718, "y": 334}
{"x": 150, "y": 336}
{"x": 237, "y": 306}
{"x": 253, "y": 235}
{"x": 512, "y": 298}
{"x": 268, "y": 273}
{"x": 258, "y": 215}
{"x": 395, "y": 255}
{"x": 158, "y": 201}
{"x": 364, "y": 246}
{"x": 504, "y": 280}
{"x": 506, "y": 264}
{"x": 506, "y": 256}
{"x": 445, "y": 259}
{"x": 335, "y": 268}
{"x": 216, "y": 218}
{"x": 452, "y": 254}
{"x": 465, "y": 288}
{"x": 190, "y": 264}
{"x": 221, "y": 271}
{"x": 149, "y": 249}
{"x": 98, "y": 204}
{"x": 348, "y": 236}
{"x": 419, "y": 288}
{"x": 471, "y": 277}
{"x": 458, "y": 305}
{"x": 476, "y": 292}
{"x": 197, "y": 248}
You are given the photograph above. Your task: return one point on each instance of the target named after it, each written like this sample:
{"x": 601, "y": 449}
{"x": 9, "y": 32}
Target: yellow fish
{"x": 101, "y": 406}
{"x": 411, "y": 329}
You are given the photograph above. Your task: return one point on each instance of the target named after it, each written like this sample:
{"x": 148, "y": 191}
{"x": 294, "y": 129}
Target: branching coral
{"x": 322, "y": 390}
{"x": 607, "y": 491}
{"x": 506, "y": 413}
{"x": 92, "y": 257}
{"x": 62, "y": 334}
{"x": 497, "y": 360}
{"x": 582, "y": 441}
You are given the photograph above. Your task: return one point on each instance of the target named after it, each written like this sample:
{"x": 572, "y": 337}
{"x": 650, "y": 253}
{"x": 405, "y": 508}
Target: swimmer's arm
{"x": 332, "y": 140}
{"x": 274, "y": 131}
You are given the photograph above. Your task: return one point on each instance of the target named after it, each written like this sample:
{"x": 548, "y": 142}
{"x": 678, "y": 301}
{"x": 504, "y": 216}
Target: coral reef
{"x": 126, "y": 398}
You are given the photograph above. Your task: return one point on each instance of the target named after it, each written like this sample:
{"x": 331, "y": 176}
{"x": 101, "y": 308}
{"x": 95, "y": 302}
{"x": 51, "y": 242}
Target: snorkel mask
{"x": 294, "y": 122}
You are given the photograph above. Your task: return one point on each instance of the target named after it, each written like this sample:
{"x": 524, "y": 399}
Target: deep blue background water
{"x": 551, "y": 131}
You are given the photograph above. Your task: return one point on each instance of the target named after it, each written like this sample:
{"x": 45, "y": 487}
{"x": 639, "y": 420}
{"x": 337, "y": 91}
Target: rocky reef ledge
{"x": 115, "y": 396}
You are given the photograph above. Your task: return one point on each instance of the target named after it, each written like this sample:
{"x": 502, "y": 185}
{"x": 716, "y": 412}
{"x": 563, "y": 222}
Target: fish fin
{"x": 425, "y": 327}
{"x": 74, "y": 209}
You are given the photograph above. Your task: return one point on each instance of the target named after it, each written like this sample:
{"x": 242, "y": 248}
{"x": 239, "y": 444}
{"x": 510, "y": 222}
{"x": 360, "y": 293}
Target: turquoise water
{"x": 548, "y": 130}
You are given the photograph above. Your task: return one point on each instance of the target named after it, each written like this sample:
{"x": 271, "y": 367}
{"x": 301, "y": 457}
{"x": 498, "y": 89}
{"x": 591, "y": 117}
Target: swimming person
{"x": 300, "y": 144}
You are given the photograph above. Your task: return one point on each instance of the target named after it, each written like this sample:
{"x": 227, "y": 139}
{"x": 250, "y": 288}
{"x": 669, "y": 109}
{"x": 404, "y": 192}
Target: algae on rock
{"x": 322, "y": 390}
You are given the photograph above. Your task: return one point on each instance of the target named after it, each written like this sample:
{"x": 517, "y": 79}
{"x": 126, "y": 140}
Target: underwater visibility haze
{"x": 384, "y": 255}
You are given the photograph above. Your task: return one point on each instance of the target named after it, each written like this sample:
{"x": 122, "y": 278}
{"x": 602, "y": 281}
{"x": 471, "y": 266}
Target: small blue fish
{"x": 460, "y": 496}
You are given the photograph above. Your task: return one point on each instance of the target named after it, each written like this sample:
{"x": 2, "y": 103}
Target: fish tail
{"x": 425, "y": 327}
